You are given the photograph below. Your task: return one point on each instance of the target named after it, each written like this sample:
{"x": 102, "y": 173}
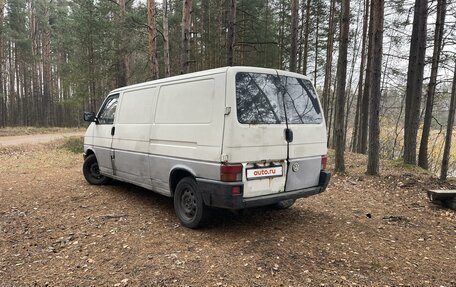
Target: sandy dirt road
{"x": 34, "y": 139}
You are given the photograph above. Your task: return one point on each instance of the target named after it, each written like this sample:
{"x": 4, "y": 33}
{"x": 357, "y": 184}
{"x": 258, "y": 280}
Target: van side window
{"x": 108, "y": 111}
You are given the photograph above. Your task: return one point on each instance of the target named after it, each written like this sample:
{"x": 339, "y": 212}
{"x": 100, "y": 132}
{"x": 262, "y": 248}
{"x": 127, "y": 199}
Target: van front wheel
{"x": 188, "y": 204}
{"x": 92, "y": 173}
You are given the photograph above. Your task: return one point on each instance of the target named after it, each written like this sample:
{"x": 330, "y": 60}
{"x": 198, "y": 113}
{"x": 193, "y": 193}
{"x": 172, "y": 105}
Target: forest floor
{"x": 57, "y": 230}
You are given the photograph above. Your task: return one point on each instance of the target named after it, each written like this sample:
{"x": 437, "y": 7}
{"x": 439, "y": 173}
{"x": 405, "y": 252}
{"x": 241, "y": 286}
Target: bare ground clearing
{"x": 36, "y": 138}
{"x": 24, "y": 130}
{"x": 57, "y": 230}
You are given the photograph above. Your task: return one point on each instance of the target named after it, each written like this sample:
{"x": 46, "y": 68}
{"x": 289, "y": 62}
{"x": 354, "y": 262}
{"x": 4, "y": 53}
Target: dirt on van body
{"x": 57, "y": 230}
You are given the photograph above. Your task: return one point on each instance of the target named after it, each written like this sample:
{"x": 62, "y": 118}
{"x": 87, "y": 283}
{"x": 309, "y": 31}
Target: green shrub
{"x": 74, "y": 144}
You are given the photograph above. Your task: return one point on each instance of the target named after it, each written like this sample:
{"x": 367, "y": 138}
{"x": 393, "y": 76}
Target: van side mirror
{"x": 89, "y": 116}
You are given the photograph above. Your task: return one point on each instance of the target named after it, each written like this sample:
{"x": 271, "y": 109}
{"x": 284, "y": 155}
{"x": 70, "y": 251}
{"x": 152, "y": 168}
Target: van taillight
{"x": 231, "y": 172}
{"x": 324, "y": 160}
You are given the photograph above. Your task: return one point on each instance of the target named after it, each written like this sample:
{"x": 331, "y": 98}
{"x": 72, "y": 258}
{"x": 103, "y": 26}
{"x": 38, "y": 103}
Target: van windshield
{"x": 272, "y": 99}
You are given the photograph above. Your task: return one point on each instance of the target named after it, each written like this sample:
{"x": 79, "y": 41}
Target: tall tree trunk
{"x": 330, "y": 123}
{"x": 306, "y": 38}
{"x": 11, "y": 86}
{"x": 328, "y": 65}
{"x": 438, "y": 37}
{"x": 355, "y": 135}
{"x": 341, "y": 78}
{"x": 122, "y": 70}
{"x": 185, "y": 48}
{"x": 242, "y": 47}
{"x": 2, "y": 95}
{"x": 92, "y": 94}
{"x": 449, "y": 133}
{"x": 231, "y": 33}
{"x": 281, "y": 34}
{"x": 376, "y": 92}
{"x": 152, "y": 27}
{"x": 301, "y": 36}
{"x": 47, "y": 70}
{"x": 317, "y": 24}
{"x": 364, "y": 112}
{"x": 166, "y": 39}
{"x": 415, "y": 80}
{"x": 37, "y": 107}
{"x": 294, "y": 34}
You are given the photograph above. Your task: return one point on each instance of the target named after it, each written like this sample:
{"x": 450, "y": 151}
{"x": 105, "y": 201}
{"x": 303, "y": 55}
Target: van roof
{"x": 208, "y": 72}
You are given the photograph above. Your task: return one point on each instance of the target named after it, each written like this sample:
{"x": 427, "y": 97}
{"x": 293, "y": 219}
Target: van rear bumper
{"x": 218, "y": 194}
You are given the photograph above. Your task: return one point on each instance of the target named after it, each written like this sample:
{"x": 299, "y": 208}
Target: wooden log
{"x": 451, "y": 203}
{"x": 441, "y": 195}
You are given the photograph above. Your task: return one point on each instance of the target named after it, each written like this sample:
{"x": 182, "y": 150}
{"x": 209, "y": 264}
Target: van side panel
{"x": 188, "y": 128}
{"x": 131, "y": 139}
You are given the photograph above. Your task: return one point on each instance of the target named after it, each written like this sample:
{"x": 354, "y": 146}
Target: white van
{"x": 233, "y": 137}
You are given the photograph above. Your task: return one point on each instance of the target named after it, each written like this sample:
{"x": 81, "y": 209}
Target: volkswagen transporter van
{"x": 233, "y": 137}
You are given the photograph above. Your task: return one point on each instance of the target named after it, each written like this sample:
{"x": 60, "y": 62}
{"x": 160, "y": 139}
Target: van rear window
{"x": 273, "y": 99}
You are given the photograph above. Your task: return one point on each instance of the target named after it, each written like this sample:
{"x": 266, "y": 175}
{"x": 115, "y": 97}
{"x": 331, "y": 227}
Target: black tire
{"x": 189, "y": 205}
{"x": 284, "y": 204}
{"x": 92, "y": 171}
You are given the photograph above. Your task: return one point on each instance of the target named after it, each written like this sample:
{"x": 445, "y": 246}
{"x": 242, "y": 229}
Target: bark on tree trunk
{"x": 36, "y": 94}
{"x": 231, "y": 33}
{"x": 166, "y": 39}
{"x": 2, "y": 96}
{"x": 415, "y": 80}
{"x": 449, "y": 134}
{"x": 47, "y": 71}
{"x": 355, "y": 137}
{"x": 294, "y": 34}
{"x": 341, "y": 78}
{"x": 376, "y": 92}
{"x": 317, "y": 24}
{"x": 438, "y": 38}
{"x": 328, "y": 65}
{"x": 306, "y": 38}
{"x": 122, "y": 69}
{"x": 281, "y": 34}
{"x": 152, "y": 27}
{"x": 185, "y": 50}
{"x": 301, "y": 37}
{"x": 364, "y": 117}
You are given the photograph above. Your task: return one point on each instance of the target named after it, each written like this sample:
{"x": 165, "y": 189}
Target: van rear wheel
{"x": 92, "y": 172}
{"x": 188, "y": 204}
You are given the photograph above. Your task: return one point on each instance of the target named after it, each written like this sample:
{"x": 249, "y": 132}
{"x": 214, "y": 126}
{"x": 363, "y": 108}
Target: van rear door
{"x": 276, "y": 121}
{"x": 254, "y": 130}
{"x": 305, "y": 122}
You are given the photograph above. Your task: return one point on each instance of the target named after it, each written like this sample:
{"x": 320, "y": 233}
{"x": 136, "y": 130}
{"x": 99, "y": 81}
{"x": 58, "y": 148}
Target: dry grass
{"x": 392, "y": 146}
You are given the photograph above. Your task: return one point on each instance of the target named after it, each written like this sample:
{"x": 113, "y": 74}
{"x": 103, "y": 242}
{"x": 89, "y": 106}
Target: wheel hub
{"x": 95, "y": 171}
{"x": 188, "y": 203}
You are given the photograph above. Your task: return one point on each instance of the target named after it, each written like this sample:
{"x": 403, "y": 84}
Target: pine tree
{"x": 415, "y": 80}
{"x": 341, "y": 78}
{"x": 438, "y": 39}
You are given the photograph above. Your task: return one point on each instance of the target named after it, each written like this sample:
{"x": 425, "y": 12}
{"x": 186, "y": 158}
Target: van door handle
{"x": 113, "y": 130}
{"x": 288, "y": 135}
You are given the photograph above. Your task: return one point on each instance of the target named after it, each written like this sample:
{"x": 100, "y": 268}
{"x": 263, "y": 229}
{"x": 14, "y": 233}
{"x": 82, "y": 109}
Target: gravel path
{"x": 34, "y": 139}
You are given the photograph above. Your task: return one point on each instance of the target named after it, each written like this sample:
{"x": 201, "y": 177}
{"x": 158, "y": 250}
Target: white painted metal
{"x": 190, "y": 122}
